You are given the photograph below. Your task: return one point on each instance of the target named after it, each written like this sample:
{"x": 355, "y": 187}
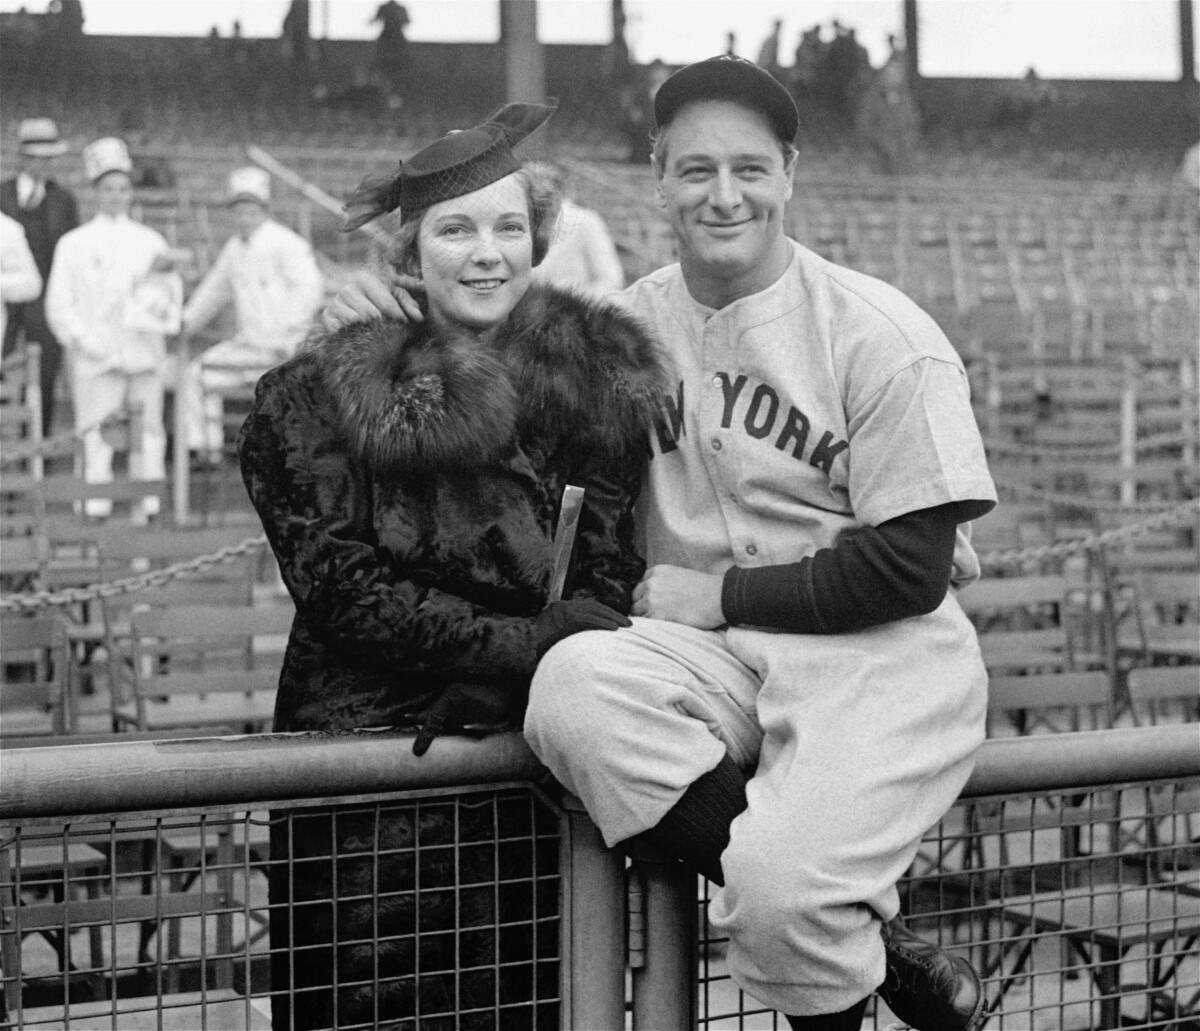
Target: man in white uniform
{"x": 582, "y": 256}
{"x": 114, "y": 361}
{"x": 800, "y": 696}
{"x": 271, "y": 277}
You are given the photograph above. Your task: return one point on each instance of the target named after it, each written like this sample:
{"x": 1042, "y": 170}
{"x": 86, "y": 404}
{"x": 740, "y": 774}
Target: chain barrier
{"x": 42, "y": 599}
{"x": 1082, "y": 452}
{"x": 1032, "y": 493}
{"x": 61, "y": 444}
{"x": 1180, "y": 513}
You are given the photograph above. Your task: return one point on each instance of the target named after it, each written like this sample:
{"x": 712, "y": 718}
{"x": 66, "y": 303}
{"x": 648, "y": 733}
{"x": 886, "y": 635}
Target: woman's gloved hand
{"x": 489, "y": 704}
{"x": 561, "y": 619}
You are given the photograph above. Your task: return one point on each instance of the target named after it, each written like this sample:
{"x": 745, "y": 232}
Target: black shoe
{"x": 926, "y": 987}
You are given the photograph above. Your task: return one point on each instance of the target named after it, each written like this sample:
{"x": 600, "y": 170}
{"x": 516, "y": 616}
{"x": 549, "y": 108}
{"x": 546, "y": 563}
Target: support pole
{"x": 524, "y": 63}
{"x": 911, "y": 41}
{"x": 594, "y": 980}
{"x": 662, "y": 895}
{"x": 1187, "y": 41}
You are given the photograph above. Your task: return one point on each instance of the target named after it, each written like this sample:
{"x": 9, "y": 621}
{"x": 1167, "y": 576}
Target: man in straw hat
{"x": 46, "y": 211}
{"x": 800, "y": 696}
{"x": 270, "y": 276}
{"x": 117, "y": 359}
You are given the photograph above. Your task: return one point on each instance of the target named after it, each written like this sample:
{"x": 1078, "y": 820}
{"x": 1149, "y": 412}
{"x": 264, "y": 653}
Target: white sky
{"x": 1121, "y": 39}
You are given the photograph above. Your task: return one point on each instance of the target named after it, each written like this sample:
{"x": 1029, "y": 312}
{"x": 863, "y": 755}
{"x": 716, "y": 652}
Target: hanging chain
{"x": 34, "y": 600}
{"x": 1181, "y": 513}
{"x": 61, "y": 444}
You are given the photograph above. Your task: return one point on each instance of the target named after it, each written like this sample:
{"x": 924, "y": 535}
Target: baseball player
{"x": 799, "y": 697}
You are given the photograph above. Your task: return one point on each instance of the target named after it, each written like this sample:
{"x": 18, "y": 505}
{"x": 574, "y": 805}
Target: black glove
{"x": 487, "y": 704}
{"x": 561, "y": 619}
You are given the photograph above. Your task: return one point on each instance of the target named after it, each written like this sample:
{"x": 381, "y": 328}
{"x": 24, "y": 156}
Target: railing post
{"x": 180, "y": 469}
{"x": 593, "y": 979}
{"x": 663, "y": 892}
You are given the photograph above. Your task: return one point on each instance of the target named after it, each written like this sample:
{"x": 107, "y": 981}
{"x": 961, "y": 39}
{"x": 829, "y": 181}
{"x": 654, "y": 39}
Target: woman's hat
{"x": 460, "y": 162}
{"x": 106, "y": 155}
{"x": 729, "y": 77}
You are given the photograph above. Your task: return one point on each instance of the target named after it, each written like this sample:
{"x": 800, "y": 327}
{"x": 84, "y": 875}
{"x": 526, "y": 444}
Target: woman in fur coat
{"x": 409, "y": 477}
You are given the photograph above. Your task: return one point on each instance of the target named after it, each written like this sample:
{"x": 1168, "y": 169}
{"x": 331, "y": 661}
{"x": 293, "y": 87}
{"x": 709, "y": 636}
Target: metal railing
{"x": 1063, "y": 873}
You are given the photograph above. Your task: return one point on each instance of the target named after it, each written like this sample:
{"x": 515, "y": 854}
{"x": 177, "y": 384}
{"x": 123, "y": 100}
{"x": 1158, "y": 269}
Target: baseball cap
{"x": 458, "y": 163}
{"x": 250, "y": 184}
{"x": 105, "y": 155}
{"x": 728, "y": 77}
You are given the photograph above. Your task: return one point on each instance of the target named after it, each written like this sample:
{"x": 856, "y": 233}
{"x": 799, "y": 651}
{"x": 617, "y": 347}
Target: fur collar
{"x": 408, "y": 399}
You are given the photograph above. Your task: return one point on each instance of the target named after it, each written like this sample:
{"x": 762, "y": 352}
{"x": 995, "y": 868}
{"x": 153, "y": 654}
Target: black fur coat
{"x": 409, "y": 485}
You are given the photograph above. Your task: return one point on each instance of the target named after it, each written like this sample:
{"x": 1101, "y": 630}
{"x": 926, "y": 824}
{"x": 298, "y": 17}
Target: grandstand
{"x": 1062, "y": 257}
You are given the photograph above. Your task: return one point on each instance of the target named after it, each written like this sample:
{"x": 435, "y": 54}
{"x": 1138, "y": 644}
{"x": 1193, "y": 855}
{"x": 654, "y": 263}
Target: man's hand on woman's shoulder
{"x": 365, "y": 296}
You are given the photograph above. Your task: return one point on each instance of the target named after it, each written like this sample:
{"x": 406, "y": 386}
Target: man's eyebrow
{"x": 750, "y": 155}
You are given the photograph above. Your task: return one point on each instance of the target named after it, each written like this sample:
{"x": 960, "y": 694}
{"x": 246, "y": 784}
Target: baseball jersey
{"x": 825, "y": 402}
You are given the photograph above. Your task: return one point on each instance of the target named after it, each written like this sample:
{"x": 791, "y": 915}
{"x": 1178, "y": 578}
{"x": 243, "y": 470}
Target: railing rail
{"x": 128, "y": 777}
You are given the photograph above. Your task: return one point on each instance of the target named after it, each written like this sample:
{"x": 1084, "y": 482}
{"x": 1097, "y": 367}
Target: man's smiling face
{"x": 723, "y": 181}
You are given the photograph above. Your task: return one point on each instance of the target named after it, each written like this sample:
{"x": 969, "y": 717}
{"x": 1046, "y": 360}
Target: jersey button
{"x": 717, "y": 382}
{"x": 716, "y": 444}
{"x": 751, "y": 549}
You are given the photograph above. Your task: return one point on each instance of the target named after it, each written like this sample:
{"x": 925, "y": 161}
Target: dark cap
{"x": 728, "y": 77}
{"x": 458, "y": 163}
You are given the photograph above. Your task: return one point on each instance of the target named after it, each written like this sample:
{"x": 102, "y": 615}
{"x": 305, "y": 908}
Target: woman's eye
{"x": 513, "y": 227}
{"x": 453, "y": 230}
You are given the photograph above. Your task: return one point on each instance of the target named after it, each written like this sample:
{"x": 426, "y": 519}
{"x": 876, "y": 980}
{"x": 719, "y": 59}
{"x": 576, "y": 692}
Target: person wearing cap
{"x": 582, "y": 254}
{"x": 270, "y": 276}
{"x": 408, "y": 477}
{"x": 799, "y": 697}
{"x": 19, "y": 276}
{"x": 46, "y": 210}
{"x": 114, "y": 361}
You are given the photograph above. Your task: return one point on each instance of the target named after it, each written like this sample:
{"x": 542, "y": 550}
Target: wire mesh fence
{"x": 450, "y": 906}
{"x": 1079, "y": 909}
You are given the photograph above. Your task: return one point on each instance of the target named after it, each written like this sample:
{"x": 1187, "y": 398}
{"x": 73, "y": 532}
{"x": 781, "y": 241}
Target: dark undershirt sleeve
{"x": 878, "y": 574}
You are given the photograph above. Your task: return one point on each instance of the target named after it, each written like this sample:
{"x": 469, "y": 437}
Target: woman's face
{"x": 476, "y": 254}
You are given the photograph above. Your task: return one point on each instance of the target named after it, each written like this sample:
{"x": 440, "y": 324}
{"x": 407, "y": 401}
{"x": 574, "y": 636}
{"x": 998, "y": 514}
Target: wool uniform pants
{"x": 857, "y": 745}
{"x": 98, "y": 395}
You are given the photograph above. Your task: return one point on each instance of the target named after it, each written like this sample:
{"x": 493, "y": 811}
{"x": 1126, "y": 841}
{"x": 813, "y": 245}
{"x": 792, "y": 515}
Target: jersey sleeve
{"x": 914, "y": 444}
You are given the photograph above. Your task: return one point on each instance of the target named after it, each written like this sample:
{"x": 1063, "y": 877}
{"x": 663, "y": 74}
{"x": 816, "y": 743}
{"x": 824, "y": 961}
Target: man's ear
{"x": 789, "y": 170}
{"x": 657, "y": 169}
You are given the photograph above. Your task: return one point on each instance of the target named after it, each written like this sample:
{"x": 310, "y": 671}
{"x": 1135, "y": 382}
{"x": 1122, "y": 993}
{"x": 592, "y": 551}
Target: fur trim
{"x": 409, "y": 400}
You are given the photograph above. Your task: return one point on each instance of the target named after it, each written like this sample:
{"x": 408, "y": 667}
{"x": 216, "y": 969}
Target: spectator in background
{"x": 270, "y": 276}
{"x": 295, "y": 40}
{"x": 806, "y": 69}
{"x": 768, "y": 53}
{"x": 91, "y": 304}
{"x": 846, "y": 69}
{"x": 886, "y": 115}
{"x": 582, "y": 256}
{"x": 391, "y": 48}
{"x": 19, "y": 276}
{"x": 46, "y": 211}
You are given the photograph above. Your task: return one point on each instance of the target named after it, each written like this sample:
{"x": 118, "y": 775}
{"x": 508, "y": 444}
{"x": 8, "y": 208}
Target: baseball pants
{"x": 857, "y": 745}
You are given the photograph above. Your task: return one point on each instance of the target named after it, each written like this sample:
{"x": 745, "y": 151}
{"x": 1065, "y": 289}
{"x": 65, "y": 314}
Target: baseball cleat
{"x": 926, "y": 987}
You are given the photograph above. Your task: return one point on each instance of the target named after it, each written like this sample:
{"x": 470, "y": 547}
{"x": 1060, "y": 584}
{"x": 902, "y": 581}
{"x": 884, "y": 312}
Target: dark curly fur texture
{"x": 409, "y": 400}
